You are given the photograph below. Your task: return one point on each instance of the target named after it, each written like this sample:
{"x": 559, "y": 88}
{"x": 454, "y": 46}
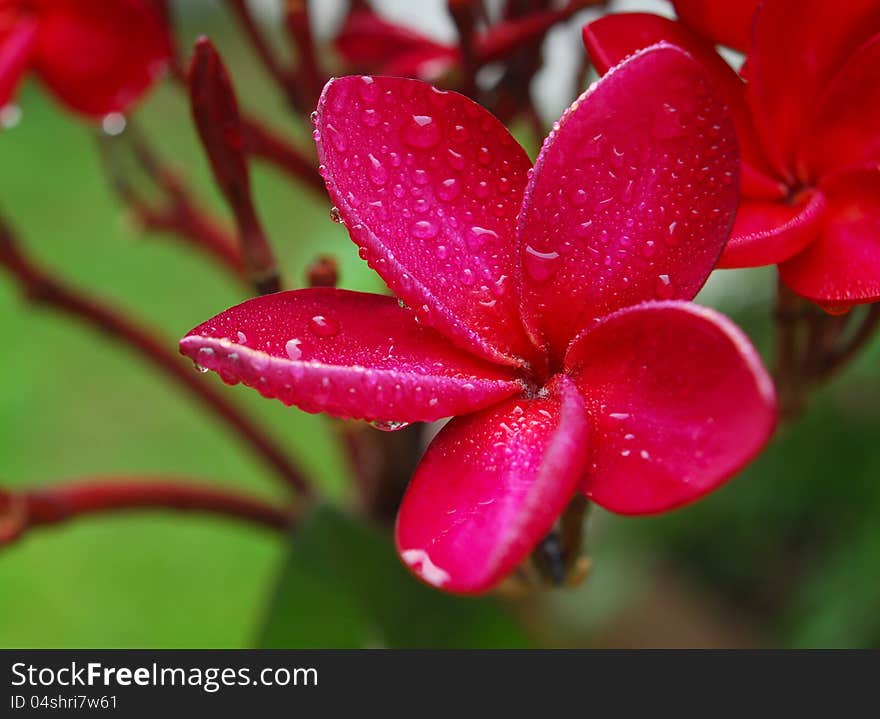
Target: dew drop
{"x": 448, "y": 189}
{"x": 313, "y": 118}
{"x": 293, "y": 350}
{"x": 442, "y": 252}
{"x": 389, "y": 425}
{"x": 377, "y": 172}
{"x": 541, "y": 266}
{"x": 663, "y": 288}
{"x": 371, "y": 118}
{"x": 478, "y": 236}
{"x": 424, "y": 229}
{"x": 10, "y": 116}
{"x": 323, "y": 326}
{"x": 113, "y": 124}
{"x": 422, "y": 132}
{"x": 369, "y": 91}
{"x": 336, "y": 215}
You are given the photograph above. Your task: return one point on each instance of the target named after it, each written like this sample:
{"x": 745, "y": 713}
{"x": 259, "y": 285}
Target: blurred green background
{"x": 788, "y": 554}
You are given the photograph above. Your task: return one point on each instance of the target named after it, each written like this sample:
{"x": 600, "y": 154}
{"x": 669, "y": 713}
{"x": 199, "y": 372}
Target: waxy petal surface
{"x": 429, "y": 184}
{"x": 613, "y": 38}
{"x": 17, "y": 42}
{"x": 632, "y": 197}
{"x": 349, "y": 354}
{"x": 678, "y": 400}
{"x": 843, "y": 264}
{"x": 490, "y": 487}
{"x": 99, "y": 56}
{"x": 798, "y": 46}
{"x": 846, "y": 129}
{"x": 726, "y": 22}
{"x": 766, "y": 233}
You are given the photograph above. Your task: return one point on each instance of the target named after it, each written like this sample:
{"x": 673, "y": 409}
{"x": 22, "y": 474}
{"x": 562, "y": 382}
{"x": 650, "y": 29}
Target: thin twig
{"x": 282, "y": 76}
{"x": 844, "y": 355}
{"x": 40, "y": 287}
{"x": 26, "y": 509}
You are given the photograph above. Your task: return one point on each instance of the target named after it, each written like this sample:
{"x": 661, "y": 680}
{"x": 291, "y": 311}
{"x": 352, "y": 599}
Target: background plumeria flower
{"x": 808, "y": 117}
{"x": 96, "y": 56}
{"x": 726, "y": 23}
{"x": 547, "y": 308}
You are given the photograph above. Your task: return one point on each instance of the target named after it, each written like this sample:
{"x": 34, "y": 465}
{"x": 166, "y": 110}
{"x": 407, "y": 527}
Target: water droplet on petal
{"x": 324, "y": 326}
{"x": 448, "y": 189}
{"x": 422, "y": 132}
{"x": 336, "y": 215}
{"x": 293, "y": 350}
{"x": 424, "y": 229}
{"x": 478, "y": 236}
{"x": 541, "y": 266}
{"x": 377, "y": 172}
{"x": 663, "y": 287}
{"x": 389, "y": 425}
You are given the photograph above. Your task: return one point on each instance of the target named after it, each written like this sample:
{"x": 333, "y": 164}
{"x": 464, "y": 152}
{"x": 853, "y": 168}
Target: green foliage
{"x": 343, "y": 586}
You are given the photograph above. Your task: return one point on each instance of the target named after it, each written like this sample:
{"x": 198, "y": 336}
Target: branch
{"x": 21, "y": 511}
{"x": 177, "y": 213}
{"x": 285, "y": 80}
{"x": 42, "y": 288}
{"x": 844, "y": 355}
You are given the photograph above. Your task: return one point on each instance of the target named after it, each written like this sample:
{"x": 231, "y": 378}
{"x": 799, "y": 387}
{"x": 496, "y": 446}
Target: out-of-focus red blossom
{"x": 728, "y": 22}
{"x": 808, "y": 118}
{"x": 369, "y": 43}
{"x": 97, "y": 56}
{"x": 545, "y": 308}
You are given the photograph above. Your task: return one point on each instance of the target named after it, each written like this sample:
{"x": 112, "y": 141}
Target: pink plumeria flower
{"x": 544, "y": 308}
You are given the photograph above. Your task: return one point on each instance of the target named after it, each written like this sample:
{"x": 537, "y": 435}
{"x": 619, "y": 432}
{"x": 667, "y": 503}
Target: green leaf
{"x": 343, "y": 586}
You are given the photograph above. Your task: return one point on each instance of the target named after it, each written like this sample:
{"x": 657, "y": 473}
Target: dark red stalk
{"x": 266, "y": 144}
{"x": 463, "y": 15}
{"x": 217, "y": 119}
{"x": 177, "y": 213}
{"x": 310, "y": 76}
{"x": 285, "y": 80}
{"x": 42, "y": 288}
{"x": 23, "y": 510}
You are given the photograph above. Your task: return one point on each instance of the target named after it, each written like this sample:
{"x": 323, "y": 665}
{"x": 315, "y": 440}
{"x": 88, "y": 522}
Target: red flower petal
{"x": 798, "y": 47}
{"x": 429, "y": 184}
{"x": 345, "y": 353}
{"x": 369, "y": 42}
{"x": 100, "y": 56}
{"x": 766, "y": 233}
{"x": 843, "y": 265}
{"x": 728, "y": 22}
{"x": 490, "y": 487}
{"x": 679, "y": 402}
{"x": 632, "y": 197}
{"x": 846, "y": 130}
{"x": 613, "y": 38}
{"x": 16, "y": 46}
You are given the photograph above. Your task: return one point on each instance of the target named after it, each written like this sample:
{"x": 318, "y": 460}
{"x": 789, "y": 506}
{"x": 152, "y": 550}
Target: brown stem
{"x": 21, "y": 511}
{"x": 44, "y": 289}
{"x": 790, "y": 380}
{"x": 178, "y": 213}
{"x": 299, "y": 28}
{"x": 283, "y": 77}
{"x": 464, "y": 16}
{"x": 267, "y": 144}
{"x": 839, "y": 359}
